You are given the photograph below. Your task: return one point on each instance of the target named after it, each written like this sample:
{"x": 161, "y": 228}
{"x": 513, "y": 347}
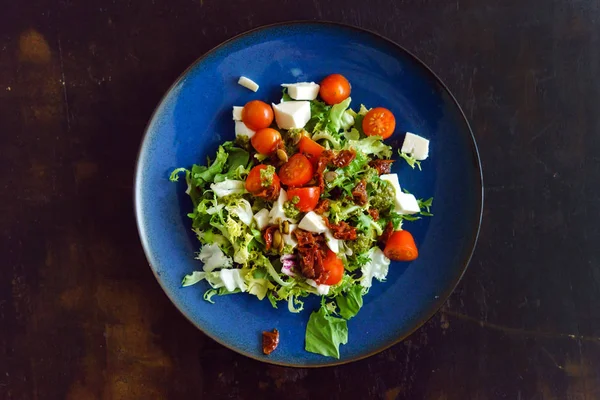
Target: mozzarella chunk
{"x": 288, "y": 238}
{"x": 248, "y": 83}
{"x": 242, "y": 130}
{"x": 227, "y": 187}
{"x": 312, "y": 222}
{"x": 406, "y": 203}
{"x": 416, "y": 146}
{"x": 292, "y": 114}
{"x": 393, "y": 180}
{"x": 323, "y": 290}
{"x": 237, "y": 113}
{"x": 277, "y": 213}
{"x": 262, "y": 219}
{"x": 334, "y": 244}
{"x": 302, "y": 90}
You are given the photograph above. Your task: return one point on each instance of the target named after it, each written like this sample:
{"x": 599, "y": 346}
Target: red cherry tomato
{"x": 309, "y": 197}
{"x": 379, "y": 122}
{"x": 257, "y": 115}
{"x": 334, "y": 89}
{"x": 255, "y": 185}
{"x": 310, "y": 148}
{"x": 266, "y": 140}
{"x": 401, "y": 247}
{"x": 296, "y": 171}
{"x": 335, "y": 266}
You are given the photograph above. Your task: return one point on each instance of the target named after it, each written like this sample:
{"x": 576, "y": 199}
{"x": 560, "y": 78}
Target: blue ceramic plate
{"x": 194, "y": 117}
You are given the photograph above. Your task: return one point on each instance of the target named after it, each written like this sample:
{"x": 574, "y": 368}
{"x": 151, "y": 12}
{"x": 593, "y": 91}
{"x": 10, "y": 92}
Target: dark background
{"x": 81, "y": 315}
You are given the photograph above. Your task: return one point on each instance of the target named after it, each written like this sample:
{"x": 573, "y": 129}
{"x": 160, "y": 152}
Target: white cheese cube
{"x": 262, "y": 219}
{"x": 416, "y": 146}
{"x": 242, "y": 130}
{"x": 288, "y": 238}
{"x": 302, "y": 90}
{"x": 292, "y": 114}
{"x": 323, "y": 290}
{"x": 248, "y": 83}
{"x": 393, "y": 180}
{"x": 406, "y": 204}
{"x": 333, "y": 243}
{"x": 237, "y": 113}
{"x": 312, "y": 222}
{"x": 277, "y": 213}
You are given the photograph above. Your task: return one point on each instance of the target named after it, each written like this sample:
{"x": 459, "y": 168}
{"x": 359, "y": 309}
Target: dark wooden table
{"x": 81, "y": 315}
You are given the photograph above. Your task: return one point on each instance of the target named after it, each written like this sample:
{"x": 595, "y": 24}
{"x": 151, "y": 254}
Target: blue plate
{"x": 194, "y": 117}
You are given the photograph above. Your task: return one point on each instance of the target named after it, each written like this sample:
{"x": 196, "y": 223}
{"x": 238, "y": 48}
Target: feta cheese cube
{"x": 393, "y": 180}
{"x": 237, "y": 113}
{"x": 302, "y": 90}
{"x": 333, "y": 243}
{"x": 248, "y": 83}
{"x": 312, "y": 222}
{"x": 288, "y": 238}
{"x": 242, "y": 130}
{"x": 292, "y": 114}
{"x": 262, "y": 219}
{"x": 406, "y": 204}
{"x": 416, "y": 146}
{"x": 277, "y": 213}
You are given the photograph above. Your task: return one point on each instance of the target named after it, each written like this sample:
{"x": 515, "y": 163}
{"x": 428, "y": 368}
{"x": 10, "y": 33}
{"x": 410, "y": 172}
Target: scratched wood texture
{"x": 81, "y": 316}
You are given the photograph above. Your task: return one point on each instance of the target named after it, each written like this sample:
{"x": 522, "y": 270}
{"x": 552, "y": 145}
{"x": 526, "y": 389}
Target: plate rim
{"x": 436, "y": 306}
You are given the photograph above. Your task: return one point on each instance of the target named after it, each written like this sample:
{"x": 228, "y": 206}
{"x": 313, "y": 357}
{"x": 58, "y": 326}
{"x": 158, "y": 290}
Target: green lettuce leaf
{"x": 410, "y": 160}
{"x": 202, "y": 175}
{"x": 351, "y": 302}
{"x": 325, "y": 333}
{"x": 372, "y": 145}
{"x": 336, "y": 116}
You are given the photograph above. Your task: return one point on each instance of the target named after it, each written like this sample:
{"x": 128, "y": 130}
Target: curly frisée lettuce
{"x": 248, "y": 240}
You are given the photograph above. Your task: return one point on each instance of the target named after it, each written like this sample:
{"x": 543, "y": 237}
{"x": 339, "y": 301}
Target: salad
{"x": 303, "y": 203}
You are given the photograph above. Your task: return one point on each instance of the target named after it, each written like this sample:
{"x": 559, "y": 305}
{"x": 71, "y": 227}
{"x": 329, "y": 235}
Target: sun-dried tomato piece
{"x": 270, "y": 340}
{"x": 359, "y": 193}
{"x": 268, "y": 236}
{"x": 374, "y": 213}
{"x": 322, "y": 206}
{"x": 387, "y": 232}
{"x": 311, "y": 250}
{"x": 382, "y": 166}
{"x": 342, "y": 230}
{"x": 343, "y": 158}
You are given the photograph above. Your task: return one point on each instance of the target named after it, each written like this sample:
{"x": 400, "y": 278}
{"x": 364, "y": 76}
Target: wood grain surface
{"x": 81, "y": 315}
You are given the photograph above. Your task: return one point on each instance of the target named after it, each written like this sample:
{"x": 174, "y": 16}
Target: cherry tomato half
{"x": 266, "y": 140}
{"x": 334, "y": 89}
{"x": 257, "y": 115}
{"x": 255, "y": 185}
{"x": 296, "y": 171}
{"x": 335, "y": 266}
{"x": 379, "y": 122}
{"x": 401, "y": 247}
{"x": 310, "y": 148}
{"x": 309, "y": 197}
